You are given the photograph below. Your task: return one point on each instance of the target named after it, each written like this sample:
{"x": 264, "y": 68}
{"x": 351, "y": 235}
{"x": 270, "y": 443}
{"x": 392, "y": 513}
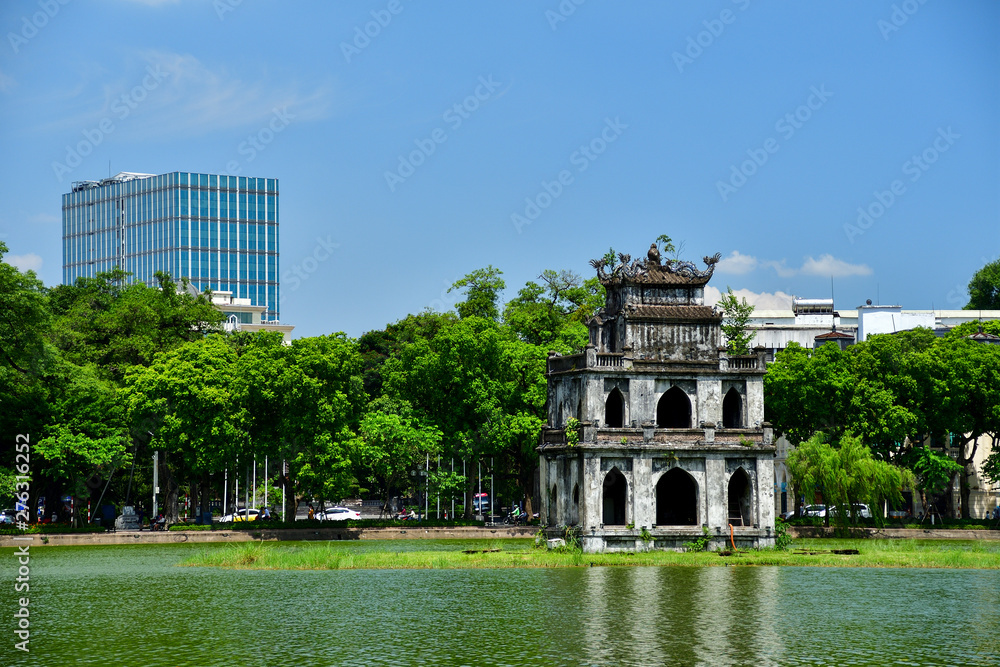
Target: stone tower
{"x": 654, "y": 430}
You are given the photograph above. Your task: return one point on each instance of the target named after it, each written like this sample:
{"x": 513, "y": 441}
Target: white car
{"x": 860, "y": 510}
{"x": 814, "y": 510}
{"x": 337, "y": 514}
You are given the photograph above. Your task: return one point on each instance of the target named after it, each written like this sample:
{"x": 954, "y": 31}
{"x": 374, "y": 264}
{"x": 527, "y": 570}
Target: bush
{"x": 782, "y": 540}
{"x": 699, "y": 543}
{"x": 190, "y": 526}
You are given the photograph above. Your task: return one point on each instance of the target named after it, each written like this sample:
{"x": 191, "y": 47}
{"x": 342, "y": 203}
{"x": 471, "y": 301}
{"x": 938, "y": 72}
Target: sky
{"x": 848, "y": 148}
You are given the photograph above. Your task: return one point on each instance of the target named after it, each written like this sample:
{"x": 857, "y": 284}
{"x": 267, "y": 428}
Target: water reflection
{"x": 133, "y": 606}
{"x": 648, "y": 616}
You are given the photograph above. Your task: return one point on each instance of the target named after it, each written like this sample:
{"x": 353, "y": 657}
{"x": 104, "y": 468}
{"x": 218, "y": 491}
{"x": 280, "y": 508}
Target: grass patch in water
{"x": 334, "y": 556}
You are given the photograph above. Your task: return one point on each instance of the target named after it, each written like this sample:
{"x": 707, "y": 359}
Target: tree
{"x": 391, "y": 443}
{"x": 482, "y": 388}
{"x": 189, "y": 393}
{"x": 966, "y": 401}
{"x": 113, "y": 324}
{"x": 26, "y": 362}
{"x": 25, "y": 320}
{"x": 734, "y": 326}
{"x": 482, "y": 293}
{"x": 934, "y": 473}
{"x": 554, "y": 314}
{"x": 846, "y": 474}
{"x": 323, "y": 399}
{"x": 984, "y": 288}
{"x": 808, "y": 390}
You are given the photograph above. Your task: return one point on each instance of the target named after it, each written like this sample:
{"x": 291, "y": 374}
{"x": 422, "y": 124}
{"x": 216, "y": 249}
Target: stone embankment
{"x": 897, "y": 533}
{"x": 417, "y": 532}
{"x": 286, "y": 534}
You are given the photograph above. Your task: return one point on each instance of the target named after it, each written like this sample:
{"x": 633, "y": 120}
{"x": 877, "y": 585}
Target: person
{"x": 160, "y": 522}
{"x": 266, "y": 516}
{"x": 312, "y": 513}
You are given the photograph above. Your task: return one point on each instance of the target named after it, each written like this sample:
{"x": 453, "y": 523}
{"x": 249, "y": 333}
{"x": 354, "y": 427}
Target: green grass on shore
{"x": 333, "y": 556}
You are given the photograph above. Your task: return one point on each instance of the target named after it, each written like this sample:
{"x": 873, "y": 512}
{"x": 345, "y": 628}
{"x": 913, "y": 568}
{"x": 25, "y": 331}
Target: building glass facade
{"x": 220, "y": 232}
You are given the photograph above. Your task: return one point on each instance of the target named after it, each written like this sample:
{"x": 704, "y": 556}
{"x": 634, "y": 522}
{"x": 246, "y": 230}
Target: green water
{"x": 131, "y": 605}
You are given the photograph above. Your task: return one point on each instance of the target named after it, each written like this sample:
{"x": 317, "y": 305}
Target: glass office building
{"x": 220, "y": 232}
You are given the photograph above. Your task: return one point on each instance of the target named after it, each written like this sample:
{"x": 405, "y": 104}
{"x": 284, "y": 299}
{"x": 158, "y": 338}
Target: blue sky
{"x": 417, "y": 141}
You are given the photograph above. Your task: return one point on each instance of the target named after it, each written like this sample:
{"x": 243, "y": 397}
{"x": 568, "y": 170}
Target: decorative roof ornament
{"x": 650, "y": 270}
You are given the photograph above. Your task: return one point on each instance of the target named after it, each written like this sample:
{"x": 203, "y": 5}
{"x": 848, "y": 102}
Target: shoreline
{"x": 413, "y": 533}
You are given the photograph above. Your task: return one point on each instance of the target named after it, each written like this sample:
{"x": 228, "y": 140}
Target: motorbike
{"x": 515, "y": 518}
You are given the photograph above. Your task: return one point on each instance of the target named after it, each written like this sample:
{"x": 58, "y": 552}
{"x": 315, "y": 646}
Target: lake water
{"x": 131, "y": 605}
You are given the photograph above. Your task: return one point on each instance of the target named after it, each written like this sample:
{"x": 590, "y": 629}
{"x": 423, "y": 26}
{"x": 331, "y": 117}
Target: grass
{"x": 332, "y": 556}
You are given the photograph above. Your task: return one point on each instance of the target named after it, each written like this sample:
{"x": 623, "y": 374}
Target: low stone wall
{"x": 288, "y": 534}
{"x": 897, "y": 533}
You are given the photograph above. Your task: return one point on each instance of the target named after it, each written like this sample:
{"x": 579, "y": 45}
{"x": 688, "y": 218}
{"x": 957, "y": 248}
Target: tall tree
{"x": 554, "y": 314}
{"x": 482, "y": 293}
{"x": 984, "y": 288}
{"x": 114, "y": 324}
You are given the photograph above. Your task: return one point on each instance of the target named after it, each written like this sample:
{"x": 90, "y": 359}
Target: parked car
{"x": 481, "y": 503}
{"x": 787, "y": 515}
{"x": 814, "y": 510}
{"x": 337, "y": 514}
{"x": 241, "y": 515}
{"x": 860, "y": 510}
{"x": 8, "y": 516}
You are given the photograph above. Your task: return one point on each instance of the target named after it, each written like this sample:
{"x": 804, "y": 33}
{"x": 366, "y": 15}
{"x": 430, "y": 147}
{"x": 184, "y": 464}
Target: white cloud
{"x": 174, "y": 94}
{"x": 29, "y": 262}
{"x": 761, "y": 301}
{"x": 828, "y": 265}
{"x": 737, "y": 264}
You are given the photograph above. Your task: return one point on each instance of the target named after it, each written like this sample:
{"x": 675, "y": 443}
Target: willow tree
{"x": 846, "y": 474}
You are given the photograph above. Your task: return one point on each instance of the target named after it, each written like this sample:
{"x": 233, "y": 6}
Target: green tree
{"x": 189, "y": 394}
{"x": 113, "y": 324}
{"x": 482, "y": 293}
{"x": 482, "y": 388}
{"x": 324, "y": 399}
{"x": 984, "y": 288}
{"x": 735, "y": 325}
{"x": 390, "y": 445}
{"x": 846, "y": 474}
{"x": 26, "y": 318}
{"x": 554, "y": 314}
{"x": 966, "y": 402}
{"x": 933, "y": 472}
